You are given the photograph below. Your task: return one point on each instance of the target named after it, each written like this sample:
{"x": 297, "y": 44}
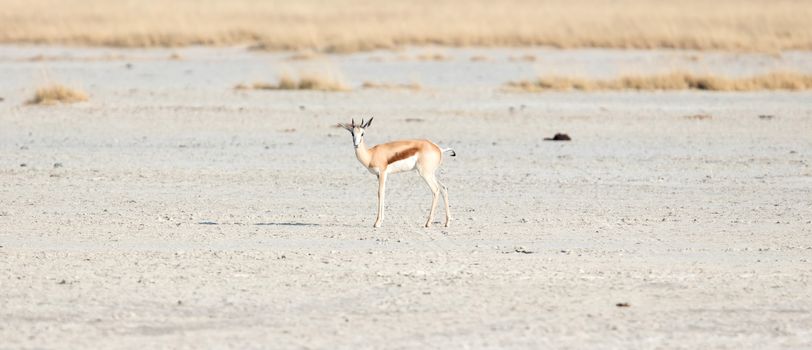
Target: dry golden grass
{"x": 433, "y": 57}
{"x": 355, "y": 25}
{"x": 101, "y": 58}
{"x": 390, "y": 86}
{"x": 324, "y": 81}
{"x": 672, "y": 81}
{"x": 525, "y": 58}
{"x": 57, "y": 93}
{"x": 304, "y": 56}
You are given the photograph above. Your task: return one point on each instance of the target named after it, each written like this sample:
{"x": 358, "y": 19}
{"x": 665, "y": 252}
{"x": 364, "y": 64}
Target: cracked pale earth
{"x": 170, "y": 211}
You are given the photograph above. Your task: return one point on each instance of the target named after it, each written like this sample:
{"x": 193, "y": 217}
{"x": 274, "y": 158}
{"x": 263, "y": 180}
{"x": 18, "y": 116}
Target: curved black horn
{"x": 362, "y": 123}
{"x": 369, "y": 122}
{"x": 353, "y": 122}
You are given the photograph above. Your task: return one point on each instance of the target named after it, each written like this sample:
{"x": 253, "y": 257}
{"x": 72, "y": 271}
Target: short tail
{"x": 453, "y": 153}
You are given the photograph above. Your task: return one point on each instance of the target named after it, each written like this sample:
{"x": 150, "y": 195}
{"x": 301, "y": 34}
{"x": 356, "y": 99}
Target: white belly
{"x": 402, "y": 165}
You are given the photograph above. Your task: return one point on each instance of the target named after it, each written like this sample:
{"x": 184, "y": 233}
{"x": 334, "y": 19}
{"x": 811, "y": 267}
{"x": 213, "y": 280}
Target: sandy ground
{"x": 170, "y": 211}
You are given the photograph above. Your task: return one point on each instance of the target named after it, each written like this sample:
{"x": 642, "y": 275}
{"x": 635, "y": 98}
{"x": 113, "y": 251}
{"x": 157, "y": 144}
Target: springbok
{"x": 399, "y": 156}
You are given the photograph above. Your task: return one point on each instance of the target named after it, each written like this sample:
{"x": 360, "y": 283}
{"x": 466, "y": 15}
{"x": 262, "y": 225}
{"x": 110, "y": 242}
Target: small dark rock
{"x": 23, "y": 165}
{"x": 414, "y": 120}
{"x": 622, "y": 305}
{"x": 766, "y": 117}
{"x": 57, "y": 165}
{"x": 522, "y": 250}
{"x": 512, "y": 109}
{"x": 558, "y": 137}
{"x": 62, "y": 282}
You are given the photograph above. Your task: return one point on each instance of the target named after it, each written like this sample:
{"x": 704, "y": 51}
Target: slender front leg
{"x": 381, "y": 191}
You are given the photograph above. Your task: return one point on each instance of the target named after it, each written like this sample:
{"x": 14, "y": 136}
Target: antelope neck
{"x": 362, "y": 153}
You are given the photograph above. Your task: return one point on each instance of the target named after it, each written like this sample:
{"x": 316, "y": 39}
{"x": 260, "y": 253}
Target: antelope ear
{"x": 345, "y": 127}
{"x": 369, "y": 122}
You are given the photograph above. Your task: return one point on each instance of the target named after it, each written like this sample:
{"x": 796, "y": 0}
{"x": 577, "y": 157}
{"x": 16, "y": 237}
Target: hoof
{"x": 427, "y": 225}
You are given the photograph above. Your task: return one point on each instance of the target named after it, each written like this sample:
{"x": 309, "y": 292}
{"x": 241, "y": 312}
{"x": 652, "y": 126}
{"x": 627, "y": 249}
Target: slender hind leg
{"x": 381, "y": 192}
{"x": 445, "y": 200}
{"x": 431, "y": 180}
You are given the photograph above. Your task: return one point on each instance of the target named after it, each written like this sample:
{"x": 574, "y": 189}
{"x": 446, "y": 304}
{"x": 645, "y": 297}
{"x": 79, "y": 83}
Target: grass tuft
{"x": 389, "y": 86}
{"x": 304, "y": 56}
{"x": 57, "y": 93}
{"x": 306, "y": 81}
{"x": 671, "y": 81}
{"x": 525, "y": 58}
{"x": 321, "y": 82}
{"x": 437, "y": 57}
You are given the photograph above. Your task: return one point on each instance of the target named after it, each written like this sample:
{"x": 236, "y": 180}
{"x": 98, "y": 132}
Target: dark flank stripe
{"x": 402, "y": 155}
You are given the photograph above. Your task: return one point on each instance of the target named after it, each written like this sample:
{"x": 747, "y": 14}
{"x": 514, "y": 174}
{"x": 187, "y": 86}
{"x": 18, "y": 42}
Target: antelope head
{"x": 357, "y": 131}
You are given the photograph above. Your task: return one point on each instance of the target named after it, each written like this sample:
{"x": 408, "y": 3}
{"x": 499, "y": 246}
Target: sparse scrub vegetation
{"x": 310, "y": 24}
{"x": 321, "y": 82}
{"x": 672, "y": 81}
{"x": 57, "y": 93}
{"x": 525, "y": 58}
{"x": 306, "y": 81}
{"x": 304, "y": 56}
{"x": 102, "y": 58}
{"x": 433, "y": 57}
{"x": 389, "y": 86}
